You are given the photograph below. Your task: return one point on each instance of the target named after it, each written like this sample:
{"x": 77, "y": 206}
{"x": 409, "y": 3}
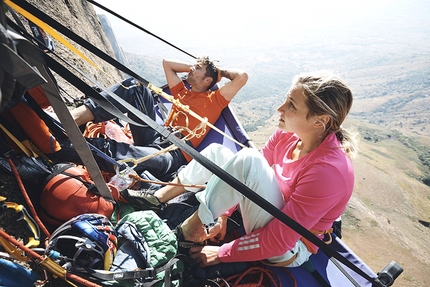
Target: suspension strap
{"x": 310, "y": 267}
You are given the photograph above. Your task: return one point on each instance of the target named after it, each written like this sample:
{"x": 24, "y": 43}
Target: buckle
{"x": 150, "y": 273}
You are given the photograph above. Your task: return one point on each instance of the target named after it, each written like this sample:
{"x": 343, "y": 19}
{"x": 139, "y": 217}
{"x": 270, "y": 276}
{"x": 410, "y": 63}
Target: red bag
{"x": 69, "y": 192}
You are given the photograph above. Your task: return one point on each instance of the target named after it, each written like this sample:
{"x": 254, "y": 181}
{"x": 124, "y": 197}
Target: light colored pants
{"x": 251, "y": 168}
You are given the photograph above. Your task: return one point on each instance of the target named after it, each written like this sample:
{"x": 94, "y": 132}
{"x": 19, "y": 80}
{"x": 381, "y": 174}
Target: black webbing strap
{"x": 235, "y": 183}
{"x": 147, "y": 274}
{"x": 310, "y": 267}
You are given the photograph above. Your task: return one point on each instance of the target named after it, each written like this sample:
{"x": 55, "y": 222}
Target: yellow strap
{"x": 48, "y": 29}
{"x": 26, "y": 146}
{"x": 32, "y": 241}
{"x": 35, "y": 150}
{"x": 22, "y": 146}
{"x": 54, "y": 268}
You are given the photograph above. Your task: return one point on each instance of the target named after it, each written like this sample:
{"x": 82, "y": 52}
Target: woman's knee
{"x": 251, "y": 158}
{"x": 217, "y": 153}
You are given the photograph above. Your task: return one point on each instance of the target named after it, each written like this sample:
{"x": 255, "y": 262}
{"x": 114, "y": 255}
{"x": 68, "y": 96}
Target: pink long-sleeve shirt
{"x": 316, "y": 190}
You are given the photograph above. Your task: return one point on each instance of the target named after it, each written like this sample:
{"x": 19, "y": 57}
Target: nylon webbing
{"x": 149, "y": 274}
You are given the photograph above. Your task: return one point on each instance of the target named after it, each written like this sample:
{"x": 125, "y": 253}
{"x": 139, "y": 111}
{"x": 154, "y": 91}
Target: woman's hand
{"x": 206, "y": 255}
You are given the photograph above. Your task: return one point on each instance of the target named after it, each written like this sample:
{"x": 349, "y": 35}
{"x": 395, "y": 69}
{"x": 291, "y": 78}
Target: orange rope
{"x": 259, "y": 273}
{"x": 93, "y": 130}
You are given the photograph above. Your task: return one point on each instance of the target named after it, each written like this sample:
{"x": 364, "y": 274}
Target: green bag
{"x": 158, "y": 246}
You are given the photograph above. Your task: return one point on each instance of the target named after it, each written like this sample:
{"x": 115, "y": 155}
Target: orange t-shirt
{"x": 207, "y": 105}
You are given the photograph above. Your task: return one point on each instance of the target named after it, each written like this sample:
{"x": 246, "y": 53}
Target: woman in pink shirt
{"x": 304, "y": 169}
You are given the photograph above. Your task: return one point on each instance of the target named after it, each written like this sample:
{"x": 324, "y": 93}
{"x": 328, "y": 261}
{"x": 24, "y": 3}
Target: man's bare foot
{"x": 193, "y": 229}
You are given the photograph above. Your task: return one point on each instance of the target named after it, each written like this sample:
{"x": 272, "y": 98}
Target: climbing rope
{"x": 138, "y": 178}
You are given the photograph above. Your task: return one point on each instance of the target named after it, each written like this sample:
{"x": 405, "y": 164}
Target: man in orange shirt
{"x": 202, "y": 76}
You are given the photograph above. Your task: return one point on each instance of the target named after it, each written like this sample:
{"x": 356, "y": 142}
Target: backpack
{"x": 139, "y": 251}
{"x": 69, "y": 191}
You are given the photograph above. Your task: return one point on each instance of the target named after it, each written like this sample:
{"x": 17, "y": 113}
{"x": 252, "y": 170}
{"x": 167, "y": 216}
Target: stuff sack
{"x": 69, "y": 191}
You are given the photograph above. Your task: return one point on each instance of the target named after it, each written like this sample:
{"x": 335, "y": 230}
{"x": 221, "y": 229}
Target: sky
{"x": 196, "y": 25}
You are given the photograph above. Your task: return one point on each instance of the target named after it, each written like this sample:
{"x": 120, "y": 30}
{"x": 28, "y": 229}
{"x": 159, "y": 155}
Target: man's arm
{"x": 238, "y": 79}
{"x": 171, "y": 70}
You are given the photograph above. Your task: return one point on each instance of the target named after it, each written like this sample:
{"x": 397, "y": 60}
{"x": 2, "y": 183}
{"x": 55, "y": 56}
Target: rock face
{"x": 80, "y": 17}
{"x": 119, "y": 54}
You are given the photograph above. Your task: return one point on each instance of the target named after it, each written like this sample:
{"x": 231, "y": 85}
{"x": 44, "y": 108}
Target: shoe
{"x": 184, "y": 245}
{"x": 143, "y": 199}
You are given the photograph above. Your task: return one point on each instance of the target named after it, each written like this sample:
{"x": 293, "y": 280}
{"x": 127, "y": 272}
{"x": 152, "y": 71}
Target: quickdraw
{"x": 33, "y": 241}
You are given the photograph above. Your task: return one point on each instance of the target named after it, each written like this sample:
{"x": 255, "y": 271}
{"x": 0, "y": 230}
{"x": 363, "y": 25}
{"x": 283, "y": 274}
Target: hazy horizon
{"x": 253, "y": 26}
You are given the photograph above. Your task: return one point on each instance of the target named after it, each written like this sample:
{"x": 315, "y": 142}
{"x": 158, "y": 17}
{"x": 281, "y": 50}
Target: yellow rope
{"x": 186, "y": 109}
{"x": 191, "y": 134}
